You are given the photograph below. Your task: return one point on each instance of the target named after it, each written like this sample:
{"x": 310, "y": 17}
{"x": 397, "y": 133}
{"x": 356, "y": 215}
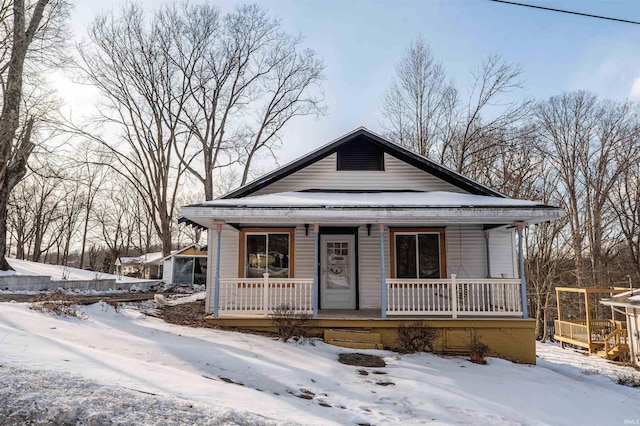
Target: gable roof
{"x": 197, "y": 246}
{"x": 387, "y": 146}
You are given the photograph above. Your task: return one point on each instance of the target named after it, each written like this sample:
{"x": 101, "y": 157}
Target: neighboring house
{"x": 628, "y": 303}
{"x": 186, "y": 266}
{"x": 146, "y": 266}
{"x": 363, "y": 229}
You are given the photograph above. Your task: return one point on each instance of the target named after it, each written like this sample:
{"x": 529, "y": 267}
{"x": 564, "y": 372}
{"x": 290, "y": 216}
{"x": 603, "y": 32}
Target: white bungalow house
{"x": 364, "y": 227}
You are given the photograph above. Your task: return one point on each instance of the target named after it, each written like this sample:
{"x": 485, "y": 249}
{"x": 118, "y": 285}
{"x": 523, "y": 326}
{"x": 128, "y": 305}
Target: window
{"x": 266, "y": 250}
{"x": 418, "y": 253}
{"x": 189, "y": 270}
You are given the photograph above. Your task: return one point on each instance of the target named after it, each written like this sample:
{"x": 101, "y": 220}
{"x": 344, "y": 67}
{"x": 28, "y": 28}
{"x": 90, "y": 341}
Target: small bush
{"x": 56, "y": 303}
{"x": 628, "y": 379}
{"x": 589, "y": 371}
{"x": 478, "y": 349}
{"x": 415, "y": 337}
{"x": 289, "y": 322}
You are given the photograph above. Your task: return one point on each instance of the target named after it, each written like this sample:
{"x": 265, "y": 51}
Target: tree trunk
{"x": 4, "y": 200}
{"x": 13, "y": 160}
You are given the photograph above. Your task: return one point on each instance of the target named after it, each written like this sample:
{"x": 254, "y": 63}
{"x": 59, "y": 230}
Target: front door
{"x": 337, "y": 272}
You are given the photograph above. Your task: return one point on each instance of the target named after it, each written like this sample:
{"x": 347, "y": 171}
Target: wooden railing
{"x": 263, "y": 295}
{"x": 573, "y": 330}
{"x": 454, "y": 296}
{"x": 596, "y": 332}
{"x": 614, "y": 339}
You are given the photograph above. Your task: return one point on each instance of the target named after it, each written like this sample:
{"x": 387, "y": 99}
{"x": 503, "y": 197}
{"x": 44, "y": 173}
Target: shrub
{"x": 478, "y": 349}
{"x": 415, "y": 337}
{"x": 289, "y": 322}
{"x": 56, "y": 303}
{"x": 628, "y": 379}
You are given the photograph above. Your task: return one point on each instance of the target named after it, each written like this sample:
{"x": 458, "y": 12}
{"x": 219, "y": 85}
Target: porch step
{"x": 355, "y": 339}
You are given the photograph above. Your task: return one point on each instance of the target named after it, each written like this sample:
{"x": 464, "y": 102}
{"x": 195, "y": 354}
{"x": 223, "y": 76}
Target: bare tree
{"x": 31, "y": 34}
{"x": 591, "y": 144}
{"x": 116, "y": 226}
{"x": 247, "y": 79}
{"x": 427, "y": 114}
{"x": 91, "y": 176}
{"x": 479, "y": 129}
{"x": 420, "y": 103}
{"x": 625, "y": 200}
{"x": 131, "y": 62}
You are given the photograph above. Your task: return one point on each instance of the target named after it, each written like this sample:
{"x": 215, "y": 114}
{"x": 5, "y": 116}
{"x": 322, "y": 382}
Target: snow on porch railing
{"x": 263, "y": 295}
{"x": 451, "y": 297}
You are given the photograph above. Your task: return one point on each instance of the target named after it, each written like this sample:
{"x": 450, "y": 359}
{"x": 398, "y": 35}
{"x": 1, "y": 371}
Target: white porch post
{"x": 265, "y": 295}
{"x": 383, "y": 277}
{"x": 316, "y": 287}
{"x": 454, "y": 296}
{"x": 523, "y": 281}
{"x": 488, "y": 251}
{"x": 216, "y": 281}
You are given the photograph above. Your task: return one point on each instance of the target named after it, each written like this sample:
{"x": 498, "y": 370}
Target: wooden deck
{"x": 594, "y": 335}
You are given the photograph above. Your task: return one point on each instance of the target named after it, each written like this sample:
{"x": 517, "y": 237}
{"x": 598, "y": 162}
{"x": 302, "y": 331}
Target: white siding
{"x": 304, "y": 256}
{"x": 369, "y": 270}
{"x": 228, "y": 259}
{"x": 501, "y": 252}
{"x": 322, "y": 174}
{"x": 466, "y": 251}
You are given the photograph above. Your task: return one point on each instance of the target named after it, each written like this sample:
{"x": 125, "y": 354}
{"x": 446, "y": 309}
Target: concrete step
{"x": 363, "y": 335}
{"x": 355, "y": 339}
{"x": 354, "y": 344}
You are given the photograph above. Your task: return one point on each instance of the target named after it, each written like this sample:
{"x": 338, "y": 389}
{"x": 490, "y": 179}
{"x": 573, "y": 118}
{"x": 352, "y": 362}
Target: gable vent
{"x": 360, "y": 155}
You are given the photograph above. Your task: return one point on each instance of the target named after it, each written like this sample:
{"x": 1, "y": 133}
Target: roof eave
{"x": 205, "y": 216}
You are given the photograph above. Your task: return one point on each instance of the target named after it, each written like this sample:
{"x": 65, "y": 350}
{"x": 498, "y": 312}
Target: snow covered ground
{"x": 127, "y": 368}
{"x": 58, "y": 272}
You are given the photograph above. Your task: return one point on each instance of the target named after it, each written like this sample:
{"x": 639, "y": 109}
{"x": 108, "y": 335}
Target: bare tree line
{"x": 573, "y": 150}
{"x": 191, "y": 99}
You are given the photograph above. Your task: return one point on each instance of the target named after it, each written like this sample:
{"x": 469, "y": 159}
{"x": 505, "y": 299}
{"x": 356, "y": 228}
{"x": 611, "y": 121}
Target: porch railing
{"x": 263, "y": 295}
{"x": 454, "y": 296}
{"x": 437, "y": 297}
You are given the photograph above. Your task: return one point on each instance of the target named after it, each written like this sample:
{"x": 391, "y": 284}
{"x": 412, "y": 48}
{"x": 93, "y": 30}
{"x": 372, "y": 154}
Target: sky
{"x": 360, "y": 42}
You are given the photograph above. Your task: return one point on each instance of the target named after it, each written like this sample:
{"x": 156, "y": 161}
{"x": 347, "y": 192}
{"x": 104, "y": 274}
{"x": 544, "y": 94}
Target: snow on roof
{"x": 370, "y": 200}
{"x": 57, "y": 272}
{"x": 144, "y": 258}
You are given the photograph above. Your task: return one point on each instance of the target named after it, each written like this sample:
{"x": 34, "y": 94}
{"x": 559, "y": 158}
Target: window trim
{"x": 416, "y": 231}
{"x": 263, "y": 231}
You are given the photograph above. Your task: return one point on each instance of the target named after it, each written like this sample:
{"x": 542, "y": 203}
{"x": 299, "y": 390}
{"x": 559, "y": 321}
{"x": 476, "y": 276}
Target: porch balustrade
{"x": 429, "y": 297}
{"x": 454, "y": 296}
{"x": 264, "y": 295}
